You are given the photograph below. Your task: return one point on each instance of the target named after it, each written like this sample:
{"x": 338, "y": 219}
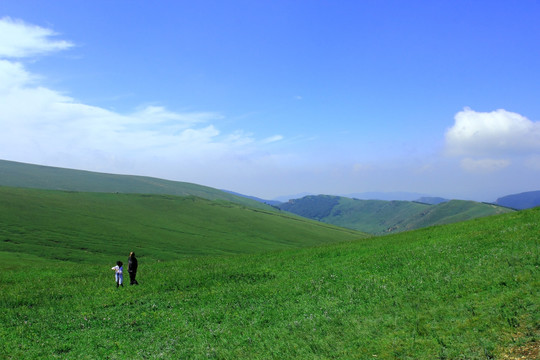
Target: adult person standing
{"x": 132, "y": 268}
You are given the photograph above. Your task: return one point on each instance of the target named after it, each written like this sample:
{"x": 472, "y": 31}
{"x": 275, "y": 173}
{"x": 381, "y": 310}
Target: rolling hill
{"x": 99, "y": 227}
{"x": 381, "y": 217}
{"x": 467, "y": 290}
{"x": 372, "y": 216}
{"x": 18, "y": 174}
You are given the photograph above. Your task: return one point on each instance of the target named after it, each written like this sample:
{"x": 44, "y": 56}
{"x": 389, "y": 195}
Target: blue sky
{"x": 271, "y": 98}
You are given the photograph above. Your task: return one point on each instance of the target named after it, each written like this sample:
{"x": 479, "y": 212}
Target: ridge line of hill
{"x": 382, "y": 217}
{"x": 25, "y": 175}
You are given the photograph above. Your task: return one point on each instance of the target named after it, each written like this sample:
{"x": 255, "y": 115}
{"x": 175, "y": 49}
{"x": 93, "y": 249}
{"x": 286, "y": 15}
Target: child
{"x": 119, "y": 276}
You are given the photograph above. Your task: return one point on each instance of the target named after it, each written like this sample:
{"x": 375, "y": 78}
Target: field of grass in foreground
{"x": 460, "y": 291}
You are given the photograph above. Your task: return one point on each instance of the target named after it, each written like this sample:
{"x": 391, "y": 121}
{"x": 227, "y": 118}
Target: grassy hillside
{"x": 17, "y": 174}
{"x": 381, "y": 217}
{"x": 453, "y": 211}
{"x": 459, "y": 291}
{"x": 374, "y": 216}
{"x": 99, "y": 227}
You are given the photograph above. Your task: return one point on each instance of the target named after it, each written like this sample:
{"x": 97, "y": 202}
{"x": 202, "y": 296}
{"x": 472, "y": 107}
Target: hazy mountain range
{"x": 525, "y": 200}
{"x": 382, "y": 217}
{"x": 370, "y": 214}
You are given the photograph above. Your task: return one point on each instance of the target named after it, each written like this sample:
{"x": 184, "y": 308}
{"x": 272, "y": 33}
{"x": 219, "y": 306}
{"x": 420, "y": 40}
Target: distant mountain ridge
{"x": 521, "y": 201}
{"x": 382, "y": 217}
{"x": 388, "y": 196}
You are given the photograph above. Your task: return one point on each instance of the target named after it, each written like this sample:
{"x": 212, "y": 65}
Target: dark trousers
{"x": 132, "y": 280}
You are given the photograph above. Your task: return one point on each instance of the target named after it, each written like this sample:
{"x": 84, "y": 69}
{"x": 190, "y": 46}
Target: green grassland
{"x": 98, "y": 227}
{"x": 382, "y": 217}
{"x": 17, "y": 174}
{"x": 468, "y": 290}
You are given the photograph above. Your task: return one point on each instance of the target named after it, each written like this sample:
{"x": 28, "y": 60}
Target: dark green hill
{"x": 99, "y": 227}
{"x": 380, "y": 217}
{"x": 53, "y": 178}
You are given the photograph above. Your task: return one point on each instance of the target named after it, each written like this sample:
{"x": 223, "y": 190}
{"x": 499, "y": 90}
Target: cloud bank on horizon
{"x": 45, "y": 126}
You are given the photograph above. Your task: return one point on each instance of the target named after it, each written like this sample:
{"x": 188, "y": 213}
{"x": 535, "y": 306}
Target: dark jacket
{"x": 132, "y": 264}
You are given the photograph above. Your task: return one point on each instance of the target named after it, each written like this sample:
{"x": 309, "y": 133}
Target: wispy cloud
{"x": 272, "y": 139}
{"x": 22, "y": 40}
{"x": 39, "y": 124}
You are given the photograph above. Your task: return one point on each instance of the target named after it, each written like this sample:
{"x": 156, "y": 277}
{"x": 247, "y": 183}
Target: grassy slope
{"x": 459, "y": 291}
{"x": 454, "y": 211}
{"x": 98, "y": 227}
{"x": 373, "y": 216}
{"x": 381, "y": 217}
{"x": 17, "y": 174}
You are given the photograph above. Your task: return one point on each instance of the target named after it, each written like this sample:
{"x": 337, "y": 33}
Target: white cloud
{"x": 12, "y": 75}
{"x": 496, "y": 133}
{"x": 20, "y": 40}
{"x": 160, "y": 115}
{"x": 272, "y": 139}
{"x": 41, "y": 125}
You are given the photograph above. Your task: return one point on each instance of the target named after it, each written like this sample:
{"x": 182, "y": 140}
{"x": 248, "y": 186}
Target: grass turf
{"x": 460, "y": 291}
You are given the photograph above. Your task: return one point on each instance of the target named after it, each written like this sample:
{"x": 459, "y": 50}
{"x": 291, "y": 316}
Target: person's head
{"x": 132, "y": 254}
{"x": 119, "y": 263}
